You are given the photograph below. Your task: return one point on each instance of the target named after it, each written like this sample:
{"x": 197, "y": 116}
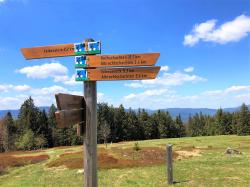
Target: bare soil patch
{"x": 12, "y": 160}
{"x": 115, "y": 158}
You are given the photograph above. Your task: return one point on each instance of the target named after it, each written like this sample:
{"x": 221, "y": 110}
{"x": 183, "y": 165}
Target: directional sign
{"x": 71, "y": 110}
{"x": 66, "y": 118}
{"x": 68, "y": 102}
{"x": 138, "y": 73}
{"x": 62, "y": 50}
{"x": 146, "y": 59}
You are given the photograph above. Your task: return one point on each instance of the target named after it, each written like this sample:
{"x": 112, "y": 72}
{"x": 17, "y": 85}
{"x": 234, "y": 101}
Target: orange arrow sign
{"x": 138, "y": 73}
{"x": 62, "y": 50}
{"x": 146, "y": 59}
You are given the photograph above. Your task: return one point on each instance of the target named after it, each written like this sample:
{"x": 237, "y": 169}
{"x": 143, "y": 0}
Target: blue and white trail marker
{"x": 80, "y": 62}
{"x": 81, "y": 75}
{"x": 87, "y": 48}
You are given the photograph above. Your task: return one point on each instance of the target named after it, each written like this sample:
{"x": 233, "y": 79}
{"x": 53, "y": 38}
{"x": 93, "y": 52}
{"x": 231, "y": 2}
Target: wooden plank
{"x": 79, "y": 129}
{"x": 67, "y": 101}
{"x": 138, "y": 73}
{"x": 48, "y": 51}
{"x": 62, "y": 50}
{"x": 90, "y": 137}
{"x": 170, "y": 164}
{"x": 67, "y": 118}
{"x": 118, "y": 60}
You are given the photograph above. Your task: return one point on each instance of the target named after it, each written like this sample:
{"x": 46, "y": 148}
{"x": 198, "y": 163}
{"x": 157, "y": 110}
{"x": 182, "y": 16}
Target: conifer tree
{"x": 243, "y": 122}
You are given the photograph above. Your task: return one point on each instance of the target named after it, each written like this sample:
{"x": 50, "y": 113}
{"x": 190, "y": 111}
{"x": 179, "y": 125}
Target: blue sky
{"x": 204, "y": 46}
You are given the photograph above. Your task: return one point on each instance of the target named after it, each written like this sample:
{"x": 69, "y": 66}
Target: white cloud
{"x": 162, "y": 98}
{"x": 167, "y": 79}
{"x": 100, "y": 97}
{"x": 52, "y": 90}
{"x": 4, "y": 88}
{"x": 54, "y": 70}
{"x": 71, "y": 81}
{"x": 164, "y": 68}
{"x": 189, "y": 69}
{"x": 9, "y": 87}
{"x": 231, "y": 31}
{"x": 2, "y": 1}
{"x": 134, "y": 84}
{"x": 237, "y": 89}
{"x": 44, "y": 96}
{"x": 22, "y": 87}
{"x": 145, "y": 94}
{"x": 9, "y": 103}
{"x": 213, "y": 93}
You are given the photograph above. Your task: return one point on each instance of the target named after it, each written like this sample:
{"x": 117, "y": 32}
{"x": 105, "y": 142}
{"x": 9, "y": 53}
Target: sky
{"x": 204, "y": 50}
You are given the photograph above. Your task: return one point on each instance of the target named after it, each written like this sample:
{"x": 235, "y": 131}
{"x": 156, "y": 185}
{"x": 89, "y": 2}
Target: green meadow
{"x": 198, "y": 161}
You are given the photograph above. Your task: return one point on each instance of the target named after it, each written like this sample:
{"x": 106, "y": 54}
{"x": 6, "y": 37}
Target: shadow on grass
{"x": 181, "y": 181}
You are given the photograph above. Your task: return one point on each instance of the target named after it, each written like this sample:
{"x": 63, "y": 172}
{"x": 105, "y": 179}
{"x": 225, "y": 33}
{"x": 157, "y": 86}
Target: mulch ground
{"x": 10, "y": 160}
{"x": 115, "y": 158}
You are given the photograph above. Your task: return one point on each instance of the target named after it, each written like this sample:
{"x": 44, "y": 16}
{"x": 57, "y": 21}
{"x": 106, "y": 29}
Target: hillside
{"x": 184, "y": 112}
{"x": 198, "y": 161}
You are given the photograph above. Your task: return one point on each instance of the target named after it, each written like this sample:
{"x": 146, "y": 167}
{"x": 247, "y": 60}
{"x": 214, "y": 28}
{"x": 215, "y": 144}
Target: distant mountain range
{"x": 16, "y": 112}
{"x": 184, "y": 112}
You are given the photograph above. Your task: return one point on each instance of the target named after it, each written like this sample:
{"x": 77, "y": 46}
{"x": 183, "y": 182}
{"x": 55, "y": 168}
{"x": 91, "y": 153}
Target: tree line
{"x": 36, "y": 129}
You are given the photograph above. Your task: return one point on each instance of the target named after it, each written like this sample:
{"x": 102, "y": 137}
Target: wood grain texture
{"x": 90, "y": 136}
{"x": 67, "y": 101}
{"x": 48, "y": 51}
{"x": 145, "y": 59}
{"x": 170, "y": 164}
{"x": 67, "y": 118}
{"x": 138, "y": 73}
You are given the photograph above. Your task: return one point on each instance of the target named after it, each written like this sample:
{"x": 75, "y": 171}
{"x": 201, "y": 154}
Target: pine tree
{"x": 43, "y": 129}
{"x": 28, "y": 116}
{"x": 223, "y": 122}
{"x": 1, "y": 136}
{"x": 196, "y": 125}
{"x": 166, "y": 125}
{"x": 8, "y": 133}
{"x": 55, "y": 132}
{"x": 180, "y": 128}
{"x": 120, "y": 123}
{"x": 243, "y": 122}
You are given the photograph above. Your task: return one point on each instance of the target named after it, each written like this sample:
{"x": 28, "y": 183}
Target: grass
{"x": 211, "y": 168}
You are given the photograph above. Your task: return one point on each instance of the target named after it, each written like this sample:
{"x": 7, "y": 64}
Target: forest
{"x": 36, "y": 129}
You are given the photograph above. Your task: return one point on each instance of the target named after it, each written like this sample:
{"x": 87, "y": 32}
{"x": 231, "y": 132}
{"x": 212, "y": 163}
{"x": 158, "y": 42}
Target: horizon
{"x": 204, "y": 51}
{"x": 248, "y": 105}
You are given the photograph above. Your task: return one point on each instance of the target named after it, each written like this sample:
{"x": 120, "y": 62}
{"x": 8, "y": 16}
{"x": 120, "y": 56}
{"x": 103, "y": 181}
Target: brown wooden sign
{"x": 146, "y": 59}
{"x": 48, "y": 51}
{"x": 71, "y": 110}
{"x": 62, "y": 50}
{"x": 106, "y": 74}
{"x": 68, "y": 102}
{"x": 66, "y": 118}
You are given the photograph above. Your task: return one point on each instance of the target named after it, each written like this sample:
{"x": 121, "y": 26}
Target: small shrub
{"x": 136, "y": 146}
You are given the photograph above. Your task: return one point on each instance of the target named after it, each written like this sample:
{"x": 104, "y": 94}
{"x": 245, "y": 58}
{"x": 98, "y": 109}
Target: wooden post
{"x": 169, "y": 164}
{"x": 90, "y": 135}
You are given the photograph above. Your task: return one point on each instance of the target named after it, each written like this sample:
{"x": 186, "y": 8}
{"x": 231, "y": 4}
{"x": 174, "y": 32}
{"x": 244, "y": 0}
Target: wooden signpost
{"x": 62, "y": 50}
{"x": 120, "y": 60}
{"x": 108, "y": 74}
{"x": 71, "y": 110}
{"x": 90, "y": 68}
